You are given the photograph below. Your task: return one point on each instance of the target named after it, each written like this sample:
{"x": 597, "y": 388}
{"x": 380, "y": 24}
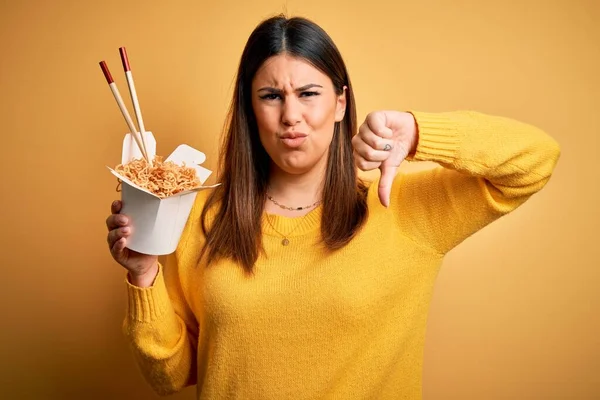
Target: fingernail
{"x": 115, "y": 203}
{"x": 122, "y": 221}
{"x": 125, "y": 230}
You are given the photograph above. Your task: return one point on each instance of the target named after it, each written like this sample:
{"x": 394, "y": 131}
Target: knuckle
{"x": 359, "y": 133}
{"x": 372, "y": 118}
{"x": 110, "y": 238}
{"x": 363, "y": 164}
{"x": 370, "y": 154}
{"x": 360, "y": 152}
{"x": 113, "y": 249}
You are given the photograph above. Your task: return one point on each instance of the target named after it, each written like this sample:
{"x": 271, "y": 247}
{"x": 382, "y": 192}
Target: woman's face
{"x": 296, "y": 109}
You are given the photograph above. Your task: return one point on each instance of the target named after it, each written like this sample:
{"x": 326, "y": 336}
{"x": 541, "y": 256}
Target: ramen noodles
{"x": 163, "y": 178}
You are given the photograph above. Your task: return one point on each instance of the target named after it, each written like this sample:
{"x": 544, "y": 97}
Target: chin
{"x": 295, "y": 167}
{"x": 299, "y": 162}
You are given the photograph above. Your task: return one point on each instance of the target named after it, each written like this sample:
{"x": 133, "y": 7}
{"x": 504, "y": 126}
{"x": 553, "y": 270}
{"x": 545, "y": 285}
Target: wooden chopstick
{"x": 119, "y": 99}
{"x": 134, "y": 98}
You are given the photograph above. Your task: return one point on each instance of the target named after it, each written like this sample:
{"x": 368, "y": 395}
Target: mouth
{"x": 293, "y": 135}
{"x": 293, "y": 140}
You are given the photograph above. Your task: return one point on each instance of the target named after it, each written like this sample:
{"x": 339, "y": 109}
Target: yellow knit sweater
{"x": 347, "y": 325}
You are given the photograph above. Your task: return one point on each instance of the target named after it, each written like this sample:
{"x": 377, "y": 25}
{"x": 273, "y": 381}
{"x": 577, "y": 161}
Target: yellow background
{"x": 515, "y": 313}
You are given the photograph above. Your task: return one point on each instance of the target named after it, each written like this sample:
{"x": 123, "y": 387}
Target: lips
{"x": 293, "y": 140}
{"x": 293, "y": 135}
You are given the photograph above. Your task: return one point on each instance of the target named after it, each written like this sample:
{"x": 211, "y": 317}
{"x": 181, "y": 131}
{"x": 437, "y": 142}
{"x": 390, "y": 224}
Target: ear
{"x": 340, "y": 107}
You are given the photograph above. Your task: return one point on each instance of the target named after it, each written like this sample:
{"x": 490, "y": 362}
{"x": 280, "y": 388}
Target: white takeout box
{"x": 157, "y": 224}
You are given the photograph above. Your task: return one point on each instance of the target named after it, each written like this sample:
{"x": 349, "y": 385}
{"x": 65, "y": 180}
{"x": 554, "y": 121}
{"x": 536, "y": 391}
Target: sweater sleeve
{"x": 161, "y": 328}
{"x": 489, "y": 166}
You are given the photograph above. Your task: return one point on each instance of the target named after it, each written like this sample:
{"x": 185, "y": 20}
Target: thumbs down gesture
{"x": 383, "y": 141}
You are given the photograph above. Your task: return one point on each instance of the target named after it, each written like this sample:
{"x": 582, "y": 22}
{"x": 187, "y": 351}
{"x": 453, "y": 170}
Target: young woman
{"x": 294, "y": 279}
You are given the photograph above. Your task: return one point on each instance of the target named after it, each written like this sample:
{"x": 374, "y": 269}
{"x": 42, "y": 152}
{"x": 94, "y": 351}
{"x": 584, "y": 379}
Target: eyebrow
{"x": 300, "y": 89}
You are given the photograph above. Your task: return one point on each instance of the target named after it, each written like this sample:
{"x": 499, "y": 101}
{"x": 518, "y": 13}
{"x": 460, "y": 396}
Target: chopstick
{"x": 119, "y": 99}
{"x": 134, "y": 98}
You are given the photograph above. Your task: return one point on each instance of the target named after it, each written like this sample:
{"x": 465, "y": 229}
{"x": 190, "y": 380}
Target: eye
{"x": 270, "y": 96}
{"x": 309, "y": 94}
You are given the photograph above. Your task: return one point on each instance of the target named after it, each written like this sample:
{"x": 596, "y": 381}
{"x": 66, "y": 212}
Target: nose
{"x": 292, "y": 111}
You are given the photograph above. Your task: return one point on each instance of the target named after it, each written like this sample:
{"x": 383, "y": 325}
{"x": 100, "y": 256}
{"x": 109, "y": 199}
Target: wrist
{"x": 145, "y": 279}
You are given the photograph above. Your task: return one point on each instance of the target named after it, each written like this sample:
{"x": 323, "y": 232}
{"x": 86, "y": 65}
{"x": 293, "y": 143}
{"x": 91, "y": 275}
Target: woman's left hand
{"x": 383, "y": 141}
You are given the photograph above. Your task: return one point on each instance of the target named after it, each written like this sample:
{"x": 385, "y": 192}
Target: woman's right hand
{"x": 142, "y": 268}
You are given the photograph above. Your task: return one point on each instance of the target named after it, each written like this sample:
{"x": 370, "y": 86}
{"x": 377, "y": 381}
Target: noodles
{"x": 164, "y": 179}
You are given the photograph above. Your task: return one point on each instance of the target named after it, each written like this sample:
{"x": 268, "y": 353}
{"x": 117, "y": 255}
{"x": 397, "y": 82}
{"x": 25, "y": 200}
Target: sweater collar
{"x": 278, "y": 225}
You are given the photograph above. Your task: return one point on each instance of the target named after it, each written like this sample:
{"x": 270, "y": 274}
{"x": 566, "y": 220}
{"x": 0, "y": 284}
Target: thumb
{"x": 388, "y": 172}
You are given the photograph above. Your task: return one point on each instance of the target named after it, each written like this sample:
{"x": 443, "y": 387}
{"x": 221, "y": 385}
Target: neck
{"x": 295, "y": 190}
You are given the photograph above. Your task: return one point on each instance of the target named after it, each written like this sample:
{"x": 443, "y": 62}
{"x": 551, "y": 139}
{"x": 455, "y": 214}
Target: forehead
{"x": 284, "y": 70}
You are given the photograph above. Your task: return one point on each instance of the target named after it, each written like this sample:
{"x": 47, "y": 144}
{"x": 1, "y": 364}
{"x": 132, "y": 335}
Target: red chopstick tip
{"x": 125, "y": 59}
{"x": 106, "y": 72}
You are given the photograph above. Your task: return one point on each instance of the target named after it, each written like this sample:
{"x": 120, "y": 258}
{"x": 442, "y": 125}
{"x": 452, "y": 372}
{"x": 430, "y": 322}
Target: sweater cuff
{"x": 439, "y": 138}
{"x": 148, "y": 304}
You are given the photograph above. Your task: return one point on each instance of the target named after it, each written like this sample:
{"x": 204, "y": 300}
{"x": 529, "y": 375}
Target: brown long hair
{"x": 235, "y": 231}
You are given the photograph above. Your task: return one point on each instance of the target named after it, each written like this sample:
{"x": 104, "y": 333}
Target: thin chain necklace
{"x": 291, "y": 208}
{"x": 285, "y": 241}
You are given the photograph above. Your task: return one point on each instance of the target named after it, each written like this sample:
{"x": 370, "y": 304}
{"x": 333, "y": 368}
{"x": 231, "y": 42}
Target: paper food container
{"x": 157, "y": 223}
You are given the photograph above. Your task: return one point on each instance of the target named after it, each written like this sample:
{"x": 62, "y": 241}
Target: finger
{"x": 117, "y": 234}
{"x": 117, "y": 250}
{"x": 388, "y": 172}
{"x": 112, "y": 237}
{"x": 377, "y": 123}
{"x": 116, "y": 206}
{"x": 370, "y": 154}
{"x": 364, "y": 164}
{"x": 115, "y": 221}
{"x": 376, "y": 142}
